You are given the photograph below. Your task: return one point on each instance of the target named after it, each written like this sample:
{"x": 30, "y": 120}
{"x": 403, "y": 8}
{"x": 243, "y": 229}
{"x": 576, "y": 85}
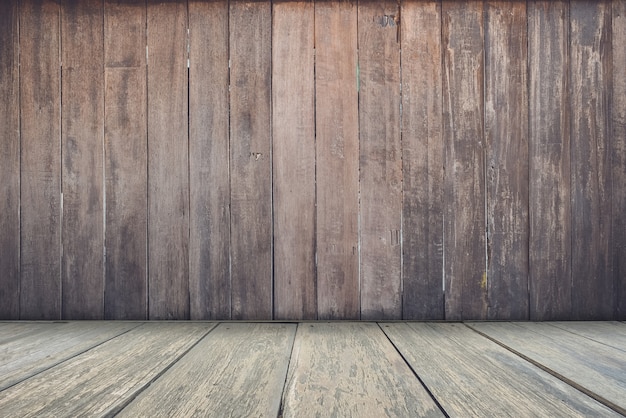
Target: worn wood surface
{"x": 337, "y": 161}
{"x": 40, "y": 120}
{"x": 472, "y": 376}
{"x": 506, "y": 136}
{"x": 168, "y": 161}
{"x": 422, "y": 161}
{"x": 239, "y": 369}
{"x": 608, "y": 333}
{"x": 209, "y": 175}
{"x": 251, "y": 159}
{"x": 9, "y": 161}
{"x": 125, "y": 165}
{"x": 380, "y": 160}
{"x": 465, "y": 152}
{"x": 549, "y": 161}
{"x": 351, "y": 369}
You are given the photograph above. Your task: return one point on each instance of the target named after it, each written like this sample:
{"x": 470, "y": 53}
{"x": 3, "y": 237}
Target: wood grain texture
{"x": 91, "y": 384}
{"x": 549, "y": 161}
{"x": 337, "y": 151}
{"x": 466, "y": 280}
{"x": 608, "y": 333}
{"x": 126, "y": 171}
{"x": 40, "y": 120}
{"x": 209, "y": 216}
{"x": 594, "y": 368}
{"x": 293, "y": 156}
{"x": 591, "y": 82}
{"x": 168, "y": 161}
{"x": 618, "y": 158}
{"x": 380, "y": 160}
{"x": 11, "y": 331}
{"x": 9, "y": 161}
{"x": 82, "y": 121}
{"x": 472, "y": 376}
{"x": 239, "y": 369}
{"x": 351, "y": 369}
{"x": 422, "y": 161}
{"x": 506, "y": 136}
{"x": 251, "y": 159}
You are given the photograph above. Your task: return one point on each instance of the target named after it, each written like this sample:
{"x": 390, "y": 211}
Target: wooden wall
{"x": 299, "y": 159}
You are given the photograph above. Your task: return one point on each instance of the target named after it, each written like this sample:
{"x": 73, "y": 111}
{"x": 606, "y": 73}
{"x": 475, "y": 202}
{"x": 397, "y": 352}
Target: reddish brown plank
{"x": 506, "y": 136}
{"x": 380, "y": 173}
{"x": 591, "y": 79}
{"x": 9, "y": 161}
{"x": 464, "y": 190}
{"x": 126, "y": 241}
{"x": 337, "y": 150}
{"x": 209, "y": 216}
{"x": 40, "y": 119}
{"x": 618, "y": 158}
{"x": 549, "y": 161}
{"x": 293, "y": 134}
{"x": 250, "y": 159}
{"x": 168, "y": 161}
{"x": 422, "y": 161}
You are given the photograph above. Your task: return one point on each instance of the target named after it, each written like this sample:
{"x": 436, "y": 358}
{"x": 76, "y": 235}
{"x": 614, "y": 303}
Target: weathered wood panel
{"x": 422, "y": 161}
{"x": 293, "y": 157}
{"x": 465, "y": 153}
{"x": 549, "y": 161}
{"x": 9, "y": 161}
{"x": 351, "y": 369}
{"x": 40, "y": 120}
{"x": 506, "y": 136}
{"x": 337, "y": 161}
{"x": 591, "y": 81}
{"x": 251, "y": 159}
{"x": 168, "y": 161}
{"x": 608, "y": 333}
{"x": 209, "y": 181}
{"x": 380, "y": 159}
{"x": 126, "y": 160}
{"x": 237, "y": 370}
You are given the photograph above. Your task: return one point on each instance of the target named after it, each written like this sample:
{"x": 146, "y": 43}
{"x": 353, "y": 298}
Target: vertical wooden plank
{"x": 464, "y": 194}
{"x": 82, "y": 153}
{"x": 506, "y": 136}
{"x": 9, "y": 161}
{"x": 618, "y": 158}
{"x": 380, "y": 159}
{"x": 422, "y": 161}
{"x": 126, "y": 241}
{"x": 250, "y": 159}
{"x": 168, "y": 161}
{"x": 549, "y": 160}
{"x": 337, "y": 150}
{"x": 590, "y": 76}
{"x": 40, "y": 119}
{"x": 293, "y": 135}
{"x": 209, "y": 216}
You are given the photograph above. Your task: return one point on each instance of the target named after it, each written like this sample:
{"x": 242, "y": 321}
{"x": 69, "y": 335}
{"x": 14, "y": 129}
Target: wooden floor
{"x": 312, "y": 369}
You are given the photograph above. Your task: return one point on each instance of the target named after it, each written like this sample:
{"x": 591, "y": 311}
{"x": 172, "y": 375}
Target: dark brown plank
{"x": 380, "y": 173}
{"x": 464, "y": 190}
{"x": 506, "y": 136}
{"x": 618, "y": 155}
{"x": 168, "y": 161}
{"x": 293, "y": 135}
{"x": 126, "y": 240}
{"x": 549, "y": 161}
{"x": 591, "y": 80}
{"x": 209, "y": 216}
{"x": 9, "y": 161}
{"x": 422, "y": 161}
{"x": 250, "y": 159}
{"x": 337, "y": 150}
{"x": 40, "y": 101}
